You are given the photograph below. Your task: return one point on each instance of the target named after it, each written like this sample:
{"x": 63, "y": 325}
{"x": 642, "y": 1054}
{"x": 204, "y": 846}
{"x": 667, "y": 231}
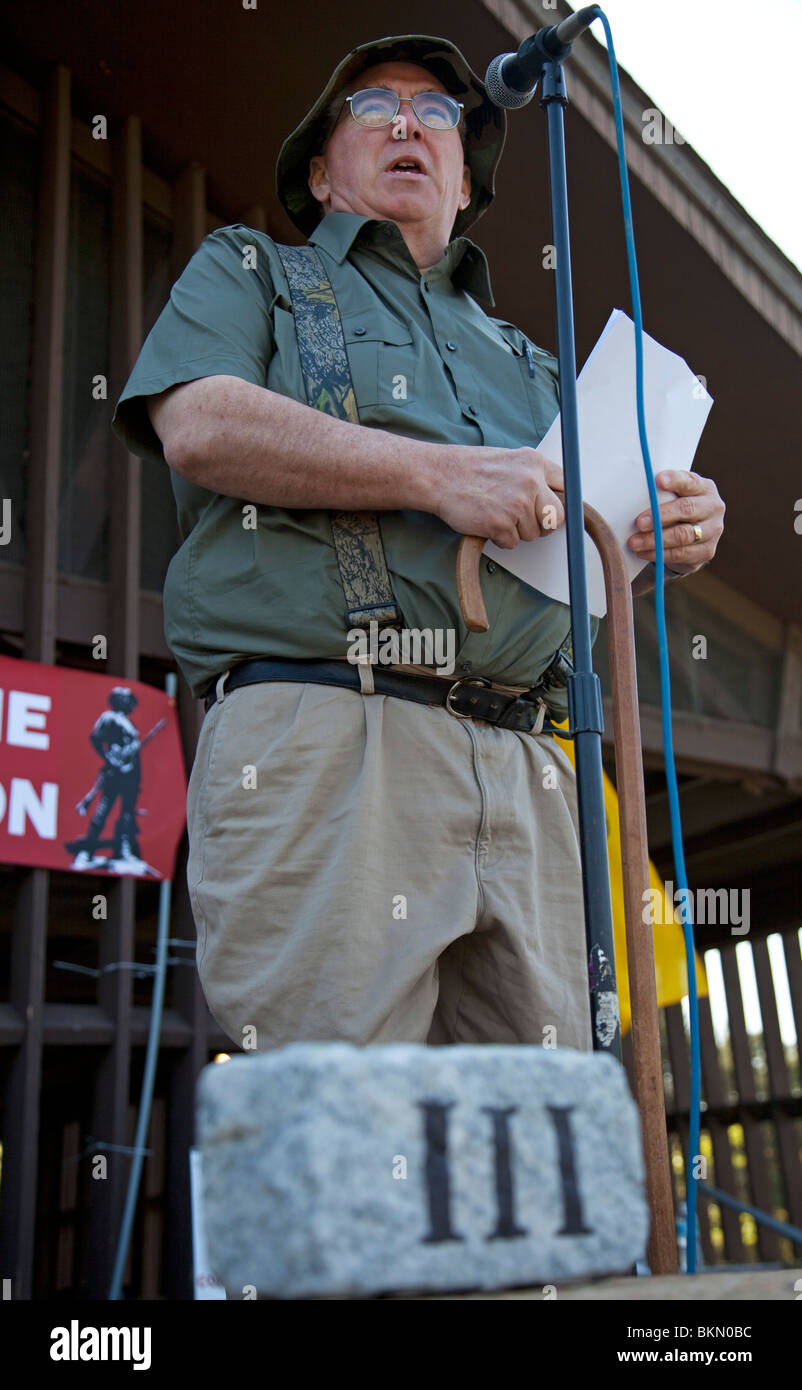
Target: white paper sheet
{"x": 613, "y": 475}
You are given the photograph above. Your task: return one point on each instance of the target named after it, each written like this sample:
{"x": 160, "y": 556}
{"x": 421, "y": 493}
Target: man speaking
{"x": 377, "y": 853}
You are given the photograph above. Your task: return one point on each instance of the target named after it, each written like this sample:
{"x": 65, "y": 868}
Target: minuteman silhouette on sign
{"x": 117, "y": 741}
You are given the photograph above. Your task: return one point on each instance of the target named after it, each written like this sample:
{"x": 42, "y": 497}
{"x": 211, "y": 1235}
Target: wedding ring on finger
{"x": 697, "y": 533}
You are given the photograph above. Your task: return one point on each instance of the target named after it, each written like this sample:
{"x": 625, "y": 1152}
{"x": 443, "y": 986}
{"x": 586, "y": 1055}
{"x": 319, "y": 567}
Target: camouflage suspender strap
{"x": 327, "y": 378}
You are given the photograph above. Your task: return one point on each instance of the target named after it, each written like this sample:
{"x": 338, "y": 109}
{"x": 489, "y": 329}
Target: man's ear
{"x": 465, "y": 195}
{"x": 318, "y": 179}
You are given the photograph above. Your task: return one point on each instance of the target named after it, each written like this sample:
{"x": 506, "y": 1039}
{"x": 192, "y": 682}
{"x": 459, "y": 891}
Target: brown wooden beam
{"x": 47, "y": 373}
{"x": 110, "y": 1117}
{"x": 29, "y": 940}
{"x": 733, "y": 1112}
{"x": 21, "y": 1102}
{"x": 255, "y": 217}
{"x": 112, "y": 1109}
{"x": 759, "y": 850}
{"x": 82, "y": 607}
{"x": 85, "y": 1025}
{"x": 189, "y": 229}
{"x": 789, "y": 719}
{"x": 126, "y": 341}
{"x": 185, "y": 1068}
{"x": 723, "y": 748}
{"x": 706, "y": 805}
{"x": 189, "y": 215}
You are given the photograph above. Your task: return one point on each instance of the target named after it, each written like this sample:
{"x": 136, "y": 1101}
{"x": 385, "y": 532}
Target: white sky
{"x": 694, "y": 60}
{"x": 746, "y": 971}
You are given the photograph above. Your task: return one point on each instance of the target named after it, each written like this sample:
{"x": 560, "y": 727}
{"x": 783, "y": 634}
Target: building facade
{"x": 122, "y": 144}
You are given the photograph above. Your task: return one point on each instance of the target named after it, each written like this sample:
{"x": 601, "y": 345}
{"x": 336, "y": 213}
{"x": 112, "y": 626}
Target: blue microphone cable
{"x": 665, "y": 688}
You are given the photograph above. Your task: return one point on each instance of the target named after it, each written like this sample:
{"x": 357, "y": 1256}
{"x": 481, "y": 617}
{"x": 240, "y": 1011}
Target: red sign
{"x": 91, "y": 772}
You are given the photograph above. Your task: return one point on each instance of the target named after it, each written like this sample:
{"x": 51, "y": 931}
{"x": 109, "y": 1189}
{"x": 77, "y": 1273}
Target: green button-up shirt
{"x": 426, "y": 362}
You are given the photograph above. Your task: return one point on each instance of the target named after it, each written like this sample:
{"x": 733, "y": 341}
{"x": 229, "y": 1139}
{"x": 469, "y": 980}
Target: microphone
{"x": 511, "y": 79}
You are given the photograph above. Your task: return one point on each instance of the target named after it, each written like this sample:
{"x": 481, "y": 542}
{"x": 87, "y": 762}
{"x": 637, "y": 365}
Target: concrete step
{"x": 713, "y": 1286}
{"x": 336, "y": 1170}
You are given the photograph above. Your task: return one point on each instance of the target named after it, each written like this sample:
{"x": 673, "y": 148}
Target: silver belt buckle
{"x": 537, "y": 727}
{"x": 464, "y": 680}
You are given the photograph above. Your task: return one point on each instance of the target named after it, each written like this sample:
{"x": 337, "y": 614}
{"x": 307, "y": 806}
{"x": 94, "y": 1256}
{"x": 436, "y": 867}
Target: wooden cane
{"x": 469, "y": 589}
{"x": 647, "y": 1063}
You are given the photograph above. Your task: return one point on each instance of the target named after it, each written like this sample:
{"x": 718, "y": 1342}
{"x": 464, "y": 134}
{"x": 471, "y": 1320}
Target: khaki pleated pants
{"x": 366, "y": 869}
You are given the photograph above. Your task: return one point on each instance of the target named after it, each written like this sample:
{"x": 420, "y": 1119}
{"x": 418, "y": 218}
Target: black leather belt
{"x": 471, "y": 697}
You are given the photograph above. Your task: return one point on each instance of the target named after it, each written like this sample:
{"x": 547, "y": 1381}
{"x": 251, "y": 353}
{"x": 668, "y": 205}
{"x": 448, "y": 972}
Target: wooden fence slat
{"x": 679, "y": 1054}
{"x": 793, "y": 964}
{"x": 779, "y": 1083}
{"x": 715, "y": 1095}
{"x": 756, "y": 1157}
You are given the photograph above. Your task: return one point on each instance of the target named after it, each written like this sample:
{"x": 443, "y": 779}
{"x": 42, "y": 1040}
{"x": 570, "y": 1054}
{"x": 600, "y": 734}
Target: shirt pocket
{"x": 284, "y": 374}
{"x": 536, "y": 373}
{"x": 382, "y": 357}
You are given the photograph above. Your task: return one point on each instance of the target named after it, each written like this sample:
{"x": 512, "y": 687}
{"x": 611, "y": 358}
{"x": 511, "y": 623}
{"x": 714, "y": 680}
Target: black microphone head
{"x": 498, "y": 91}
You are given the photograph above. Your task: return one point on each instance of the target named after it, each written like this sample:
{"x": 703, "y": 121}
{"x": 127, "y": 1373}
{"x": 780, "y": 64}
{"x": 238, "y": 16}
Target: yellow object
{"x": 671, "y": 971}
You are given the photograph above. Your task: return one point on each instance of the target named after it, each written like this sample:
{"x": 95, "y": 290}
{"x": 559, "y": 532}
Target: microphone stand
{"x": 584, "y": 689}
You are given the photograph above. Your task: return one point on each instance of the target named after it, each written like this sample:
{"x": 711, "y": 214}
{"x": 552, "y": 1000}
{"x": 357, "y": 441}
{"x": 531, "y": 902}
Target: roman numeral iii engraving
{"x": 573, "y": 1221}
{"x": 437, "y": 1175}
{"x": 506, "y": 1228}
{"x": 438, "y": 1182}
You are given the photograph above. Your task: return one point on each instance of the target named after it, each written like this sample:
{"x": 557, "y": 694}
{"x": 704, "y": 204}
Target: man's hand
{"x": 697, "y": 503}
{"x": 505, "y": 495}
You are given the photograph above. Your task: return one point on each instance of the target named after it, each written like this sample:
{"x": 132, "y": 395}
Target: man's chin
{"x": 408, "y": 205}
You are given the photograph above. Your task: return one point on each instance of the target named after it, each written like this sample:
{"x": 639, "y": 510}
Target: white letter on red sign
{"x": 41, "y": 811}
{"x": 26, "y": 713}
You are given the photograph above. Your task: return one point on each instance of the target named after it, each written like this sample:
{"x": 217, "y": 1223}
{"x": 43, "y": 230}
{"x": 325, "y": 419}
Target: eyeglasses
{"x": 377, "y": 106}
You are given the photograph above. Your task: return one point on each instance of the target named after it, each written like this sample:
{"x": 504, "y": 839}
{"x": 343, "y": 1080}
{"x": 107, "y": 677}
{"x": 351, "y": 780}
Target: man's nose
{"x": 414, "y": 126}
{"x": 406, "y": 124}
{"x": 402, "y": 129}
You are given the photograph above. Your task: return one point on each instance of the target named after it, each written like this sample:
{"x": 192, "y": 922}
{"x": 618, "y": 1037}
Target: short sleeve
{"x": 217, "y": 322}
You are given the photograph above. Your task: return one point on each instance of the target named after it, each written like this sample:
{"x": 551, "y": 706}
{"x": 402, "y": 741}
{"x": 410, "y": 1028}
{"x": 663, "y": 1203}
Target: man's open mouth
{"x": 406, "y": 166}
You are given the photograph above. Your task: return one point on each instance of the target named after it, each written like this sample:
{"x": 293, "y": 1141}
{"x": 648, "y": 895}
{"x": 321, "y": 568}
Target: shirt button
{"x": 472, "y": 410}
{"x": 491, "y": 566}
{"x": 426, "y": 285}
{"x": 452, "y": 347}
{"x": 359, "y": 332}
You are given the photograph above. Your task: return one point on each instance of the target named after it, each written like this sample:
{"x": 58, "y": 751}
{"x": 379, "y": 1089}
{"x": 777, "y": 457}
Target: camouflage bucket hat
{"x": 485, "y": 124}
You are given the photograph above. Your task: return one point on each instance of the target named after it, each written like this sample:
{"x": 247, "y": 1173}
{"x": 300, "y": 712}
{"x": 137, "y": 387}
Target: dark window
{"x": 19, "y": 160}
{"x": 85, "y": 434}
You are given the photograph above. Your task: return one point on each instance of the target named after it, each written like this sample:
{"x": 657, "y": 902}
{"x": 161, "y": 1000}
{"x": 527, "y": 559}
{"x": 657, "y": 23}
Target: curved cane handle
{"x": 468, "y": 587}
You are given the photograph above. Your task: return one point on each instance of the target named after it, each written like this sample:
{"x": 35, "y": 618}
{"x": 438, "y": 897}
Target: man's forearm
{"x": 244, "y": 441}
